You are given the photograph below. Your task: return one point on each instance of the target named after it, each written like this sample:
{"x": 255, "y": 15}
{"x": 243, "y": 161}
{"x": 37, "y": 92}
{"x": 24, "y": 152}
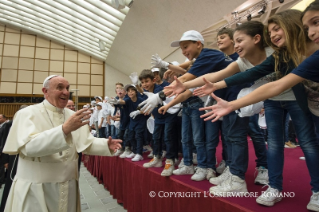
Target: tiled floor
{"x": 94, "y": 197}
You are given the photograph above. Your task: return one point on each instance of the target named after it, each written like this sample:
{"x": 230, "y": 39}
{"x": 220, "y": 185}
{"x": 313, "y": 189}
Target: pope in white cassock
{"x": 46, "y": 137}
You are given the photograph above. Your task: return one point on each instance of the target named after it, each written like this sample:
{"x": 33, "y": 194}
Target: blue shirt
{"x": 164, "y": 84}
{"x": 309, "y": 68}
{"x": 125, "y": 114}
{"x": 140, "y": 120}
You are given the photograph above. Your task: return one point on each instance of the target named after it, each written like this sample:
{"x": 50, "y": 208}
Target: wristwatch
{"x": 162, "y": 96}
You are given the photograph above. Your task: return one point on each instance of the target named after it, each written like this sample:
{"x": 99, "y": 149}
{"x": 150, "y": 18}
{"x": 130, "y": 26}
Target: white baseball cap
{"x": 100, "y": 104}
{"x": 155, "y": 69}
{"x": 128, "y": 86}
{"x": 100, "y": 98}
{"x": 191, "y": 35}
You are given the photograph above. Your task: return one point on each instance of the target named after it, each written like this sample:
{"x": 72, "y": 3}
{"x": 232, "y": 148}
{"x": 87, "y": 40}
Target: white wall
{"x": 113, "y": 76}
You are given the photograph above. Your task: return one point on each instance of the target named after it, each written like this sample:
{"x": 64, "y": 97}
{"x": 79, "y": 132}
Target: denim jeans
{"x": 212, "y": 139}
{"x": 235, "y": 131}
{"x": 102, "y": 132}
{"x": 123, "y": 135}
{"x": 113, "y": 132}
{"x": 257, "y": 137}
{"x": 315, "y": 120}
{"x": 276, "y": 112}
{"x": 136, "y": 138}
{"x": 168, "y": 130}
{"x": 193, "y": 129}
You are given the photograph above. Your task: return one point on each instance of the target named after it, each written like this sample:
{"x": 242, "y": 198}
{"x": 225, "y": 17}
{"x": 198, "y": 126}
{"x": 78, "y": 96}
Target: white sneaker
{"x": 195, "y": 159}
{"x": 148, "y": 148}
{"x": 177, "y": 162}
{"x": 150, "y": 155}
{"x": 137, "y": 157}
{"x": 132, "y": 155}
{"x": 181, "y": 164}
{"x": 169, "y": 168}
{"x": 184, "y": 170}
{"x": 220, "y": 169}
{"x": 164, "y": 154}
{"x": 233, "y": 184}
{"x": 210, "y": 173}
{"x": 155, "y": 162}
{"x": 118, "y": 152}
{"x": 269, "y": 197}
{"x": 262, "y": 176}
{"x": 126, "y": 152}
{"x": 313, "y": 205}
{"x": 302, "y": 158}
{"x": 200, "y": 174}
{"x": 221, "y": 178}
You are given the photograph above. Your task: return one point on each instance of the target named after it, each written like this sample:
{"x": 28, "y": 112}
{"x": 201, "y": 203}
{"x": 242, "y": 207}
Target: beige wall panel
{"x": 9, "y": 75}
{"x": 84, "y": 90}
{"x": 25, "y": 76}
{"x": 96, "y": 69}
{"x": 41, "y": 65}
{"x": 56, "y": 54}
{"x": 42, "y": 42}
{"x": 11, "y": 50}
{"x": 39, "y": 76}
{"x": 1, "y": 46}
{"x": 0, "y": 61}
{"x": 96, "y": 90}
{"x": 70, "y": 66}
{"x": 27, "y": 51}
{"x": 28, "y": 40}
{"x": 42, "y": 53}
{"x": 56, "y": 46}
{"x": 37, "y": 88}
{"x": 8, "y": 87}
{"x": 73, "y": 86}
{"x": 25, "y": 63}
{"x": 1, "y": 27}
{"x": 24, "y": 88}
{"x": 12, "y": 38}
{"x": 83, "y": 79}
{"x": 10, "y": 62}
{"x": 1, "y": 37}
{"x": 96, "y": 79}
{"x": 13, "y": 30}
{"x": 55, "y": 73}
{"x": 71, "y": 78}
{"x": 71, "y": 55}
{"x": 96, "y": 61}
{"x": 84, "y": 68}
{"x": 83, "y": 58}
{"x": 56, "y": 66}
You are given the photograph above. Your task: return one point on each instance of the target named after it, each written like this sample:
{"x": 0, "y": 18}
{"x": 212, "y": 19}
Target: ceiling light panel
{"x": 77, "y": 24}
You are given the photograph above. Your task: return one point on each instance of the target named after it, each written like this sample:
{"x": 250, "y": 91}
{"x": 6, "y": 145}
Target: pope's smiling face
{"x": 58, "y": 92}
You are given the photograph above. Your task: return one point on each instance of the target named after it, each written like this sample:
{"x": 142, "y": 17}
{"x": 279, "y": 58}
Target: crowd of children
{"x": 181, "y": 107}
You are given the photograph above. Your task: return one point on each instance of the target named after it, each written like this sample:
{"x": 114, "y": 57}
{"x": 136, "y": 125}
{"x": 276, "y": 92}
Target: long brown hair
{"x": 295, "y": 47}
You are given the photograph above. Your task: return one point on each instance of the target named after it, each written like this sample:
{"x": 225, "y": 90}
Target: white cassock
{"x": 47, "y": 172}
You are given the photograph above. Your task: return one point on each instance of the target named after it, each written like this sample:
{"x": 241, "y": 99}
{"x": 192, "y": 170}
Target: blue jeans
{"x": 123, "y": 135}
{"x": 170, "y": 138}
{"x": 212, "y": 140}
{"x": 276, "y": 113}
{"x": 235, "y": 131}
{"x": 193, "y": 129}
{"x": 136, "y": 138}
{"x": 102, "y": 132}
{"x": 257, "y": 137}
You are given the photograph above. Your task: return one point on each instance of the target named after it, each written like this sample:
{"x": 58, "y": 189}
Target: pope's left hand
{"x": 114, "y": 144}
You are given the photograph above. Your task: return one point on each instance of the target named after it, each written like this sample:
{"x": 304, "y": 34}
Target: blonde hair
{"x": 295, "y": 49}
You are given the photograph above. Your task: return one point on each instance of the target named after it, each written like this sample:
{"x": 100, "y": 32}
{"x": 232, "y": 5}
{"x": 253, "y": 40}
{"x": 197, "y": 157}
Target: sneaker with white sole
{"x": 164, "y": 154}
{"x": 132, "y": 155}
{"x": 148, "y": 148}
{"x": 210, "y": 173}
{"x": 150, "y": 155}
{"x": 221, "y": 178}
{"x": 269, "y": 197}
{"x": 200, "y": 174}
{"x": 126, "y": 152}
{"x": 169, "y": 168}
{"x": 181, "y": 164}
{"x": 155, "y": 162}
{"x": 233, "y": 184}
{"x": 221, "y": 167}
{"x": 195, "y": 159}
{"x": 137, "y": 157}
{"x": 262, "y": 176}
{"x": 118, "y": 152}
{"x": 184, "y": 170}
{"x": 313, "y": 205}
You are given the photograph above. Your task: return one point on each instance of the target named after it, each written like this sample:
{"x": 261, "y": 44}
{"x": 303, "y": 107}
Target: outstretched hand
{"x": 219, "y": 110}
{"x": 114, "y": 144}
{"x": 77, "y": 120}
{"x": 162, "y": 110}
{"x": 206, "y": 89}
{"x": 174, "y": 89}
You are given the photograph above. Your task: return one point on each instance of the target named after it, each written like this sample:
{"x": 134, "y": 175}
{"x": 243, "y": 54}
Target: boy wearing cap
{"x": 158, "y": 78}
{"x": 165, "y": 125}
{"x": 137, "y": 121}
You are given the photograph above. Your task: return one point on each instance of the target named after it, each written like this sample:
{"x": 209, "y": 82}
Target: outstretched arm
{"x": 182, "y": 97}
